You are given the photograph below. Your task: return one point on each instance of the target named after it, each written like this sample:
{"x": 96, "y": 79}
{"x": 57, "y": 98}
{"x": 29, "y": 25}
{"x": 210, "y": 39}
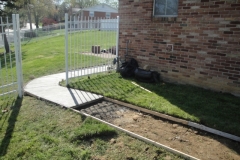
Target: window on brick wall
{"x": 165, "y": 8}
{"x": 91, "y": 13}
{"x": 108, "y": 14}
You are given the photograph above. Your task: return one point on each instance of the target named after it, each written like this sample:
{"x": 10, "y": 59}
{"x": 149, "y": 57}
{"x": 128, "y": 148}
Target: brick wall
{"x": 205, "y": 38}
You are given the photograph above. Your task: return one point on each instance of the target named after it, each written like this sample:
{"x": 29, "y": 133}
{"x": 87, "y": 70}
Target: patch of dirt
{"x": 191, "y": 141}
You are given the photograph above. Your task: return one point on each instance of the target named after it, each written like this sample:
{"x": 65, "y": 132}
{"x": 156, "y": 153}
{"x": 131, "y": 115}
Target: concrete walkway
{"x": 48, "y": 88}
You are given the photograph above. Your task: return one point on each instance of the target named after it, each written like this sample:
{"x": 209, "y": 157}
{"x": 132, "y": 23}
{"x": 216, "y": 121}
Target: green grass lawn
{"x": 34, "y": 129}
{"x": 216, "y": 110}
{"x": 46, "y": 55}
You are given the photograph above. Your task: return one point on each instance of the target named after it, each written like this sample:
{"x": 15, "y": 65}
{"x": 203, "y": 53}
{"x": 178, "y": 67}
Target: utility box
{"x": 96, "y": 49}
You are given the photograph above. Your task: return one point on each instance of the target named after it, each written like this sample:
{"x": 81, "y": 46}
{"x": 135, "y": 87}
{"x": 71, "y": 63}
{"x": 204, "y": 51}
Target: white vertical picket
{"x": 70, "y": 46}
{"x": 5, "y": 59}
{"x": 91, "y": 31}
{"x": 117, "y": 44}
{"x": 98, "y": 37}
{"x": 84, "y": 45}
{"x": 88, "y": 45}
{"x": 1, "y": 77}
{"x": 81, "y": 45}
{"x": 80, "y": 54}
{"x": 66, "y": 47}
{"x": 78, "y": 51}
{"x": 74, "y": 44}
{"x": 10, "y": 59}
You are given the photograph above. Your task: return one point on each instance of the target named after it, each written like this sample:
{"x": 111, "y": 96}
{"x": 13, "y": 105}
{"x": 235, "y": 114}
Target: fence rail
{"x": 91, "y": 45}
{"x": 49, "y": 30}
{"x": 26, "y": 34}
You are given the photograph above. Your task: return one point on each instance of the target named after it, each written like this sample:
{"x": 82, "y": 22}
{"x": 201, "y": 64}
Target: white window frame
{"x": 161, "y": 15}
{"x": 91, "y": 13}
{"x": 108, "y": 15}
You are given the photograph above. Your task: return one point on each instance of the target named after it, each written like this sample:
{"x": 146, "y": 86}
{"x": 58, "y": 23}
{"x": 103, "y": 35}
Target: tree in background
{"x": 113, "y": 3}
{"x": 36, "y": 9}
{"x": 62, "y": 9}
{"x": 82, "y": 3}
{"x": 6, "y": 5}
{"x": 28, "y": 6}
{"x": 42, "y": 9}
{"x": 89, "y": 3}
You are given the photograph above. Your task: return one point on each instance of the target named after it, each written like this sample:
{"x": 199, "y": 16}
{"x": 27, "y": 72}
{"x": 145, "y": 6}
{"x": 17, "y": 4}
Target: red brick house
{"x": 194, "y": 42}
{"x": 98, "y": 11}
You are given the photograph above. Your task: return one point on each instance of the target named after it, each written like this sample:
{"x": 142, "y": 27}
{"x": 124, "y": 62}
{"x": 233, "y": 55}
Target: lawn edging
{"x": 140, "y": 137}
{"x": 177, "y": 120}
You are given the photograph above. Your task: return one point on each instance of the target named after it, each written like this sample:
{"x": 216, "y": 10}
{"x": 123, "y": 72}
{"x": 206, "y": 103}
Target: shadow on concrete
{"x": 81, "y": 98}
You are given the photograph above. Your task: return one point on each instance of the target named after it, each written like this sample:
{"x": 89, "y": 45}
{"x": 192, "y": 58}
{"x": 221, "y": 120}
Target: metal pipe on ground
{"x": 141, "y": 137}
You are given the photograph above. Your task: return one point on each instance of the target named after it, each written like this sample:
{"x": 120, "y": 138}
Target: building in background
{"x": 98, "y": 11}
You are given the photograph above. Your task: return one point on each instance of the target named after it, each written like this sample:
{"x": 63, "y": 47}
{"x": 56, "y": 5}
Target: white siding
{"x": 102, "y": 8}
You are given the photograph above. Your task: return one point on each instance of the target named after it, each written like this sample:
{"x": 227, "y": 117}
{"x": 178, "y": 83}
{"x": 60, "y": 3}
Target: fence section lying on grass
{"x": 10, "y": 58}
{"x": 90, "y": 43}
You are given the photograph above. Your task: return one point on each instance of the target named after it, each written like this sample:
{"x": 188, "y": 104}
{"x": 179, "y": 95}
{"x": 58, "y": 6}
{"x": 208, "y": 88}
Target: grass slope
{"x": 216, "y": 110}
{"x": 34, "y": 129}
{"x": 46, "y": 55}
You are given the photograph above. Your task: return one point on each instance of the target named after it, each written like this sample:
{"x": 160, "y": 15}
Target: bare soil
{"x": 191, "y": 141}
{"x": 188, "y": 140}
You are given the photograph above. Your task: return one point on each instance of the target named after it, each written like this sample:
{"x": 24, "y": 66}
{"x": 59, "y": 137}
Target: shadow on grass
{"x": 91, "y": 128}
{"x": 217, "y": 110}
{"x": 5, "y": 59}
{"x": 214, "y": 109}
{"x": 5, "y": 102}
{"x": 10, "y": 127}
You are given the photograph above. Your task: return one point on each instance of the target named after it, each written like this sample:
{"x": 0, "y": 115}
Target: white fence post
{"x": 66, "y": 46}
{"x": 18, "y": 54}
{"x": 117, "y": 43}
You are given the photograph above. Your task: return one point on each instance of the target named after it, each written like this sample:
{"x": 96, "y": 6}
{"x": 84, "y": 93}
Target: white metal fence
{"x": 11, "y": 80}
{"x": 49, "y": 30}
{"x": 91, "y": 45}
